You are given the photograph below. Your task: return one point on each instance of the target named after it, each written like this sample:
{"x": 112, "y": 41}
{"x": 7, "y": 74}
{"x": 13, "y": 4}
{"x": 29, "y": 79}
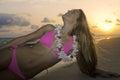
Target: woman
{"x": 33, "y": 56}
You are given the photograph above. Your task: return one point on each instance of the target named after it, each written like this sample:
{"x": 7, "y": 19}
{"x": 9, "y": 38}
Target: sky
{"x": 21, "y": 17}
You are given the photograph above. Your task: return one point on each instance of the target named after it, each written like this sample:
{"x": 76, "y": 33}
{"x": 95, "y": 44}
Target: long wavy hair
{"x": 86, "y": 57}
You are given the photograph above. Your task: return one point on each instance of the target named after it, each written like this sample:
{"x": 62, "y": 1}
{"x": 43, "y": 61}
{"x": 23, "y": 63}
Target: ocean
{"x": 5, "y": 40}
{"x": 96, "y": 37}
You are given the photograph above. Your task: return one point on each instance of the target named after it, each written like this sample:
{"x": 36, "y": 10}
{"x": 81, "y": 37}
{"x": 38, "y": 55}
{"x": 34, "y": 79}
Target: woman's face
{"x": 71, "y": 16}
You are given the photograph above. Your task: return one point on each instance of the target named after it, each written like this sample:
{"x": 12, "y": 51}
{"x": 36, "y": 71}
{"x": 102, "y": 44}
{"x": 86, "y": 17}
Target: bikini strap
{"x": 14, "y": 46}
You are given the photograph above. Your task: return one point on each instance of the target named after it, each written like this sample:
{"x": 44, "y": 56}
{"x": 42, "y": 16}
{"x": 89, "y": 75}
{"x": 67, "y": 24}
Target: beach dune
{"x": 108, "y": 53}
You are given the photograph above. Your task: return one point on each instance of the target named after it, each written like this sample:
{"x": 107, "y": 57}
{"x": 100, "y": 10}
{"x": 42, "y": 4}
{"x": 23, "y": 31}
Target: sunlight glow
{"x": 107, "y": 26}
{"x": 105, "y": 22}
{"x": 108, "y": 38}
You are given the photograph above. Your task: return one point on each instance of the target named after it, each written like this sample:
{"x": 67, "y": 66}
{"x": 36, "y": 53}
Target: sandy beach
{"x": 108, "y": 53}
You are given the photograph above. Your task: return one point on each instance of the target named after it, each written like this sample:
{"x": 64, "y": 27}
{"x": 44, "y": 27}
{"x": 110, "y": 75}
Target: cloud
{"x": 47, "y": 20}
{"x": 60, "y": 14}
{"x": 118, "y": 20}
{"x": 108, "y": 21}
{"x": 13, "y": 20}
{"x": 95, "y": 26}
{"x": 34, "y": 27}
{"x": 3, "y": 1}
{"x": 4, "y": 30}
{"x": 118, "y": 24}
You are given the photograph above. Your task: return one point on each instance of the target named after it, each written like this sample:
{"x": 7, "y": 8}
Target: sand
{"x": 108, "y": 53}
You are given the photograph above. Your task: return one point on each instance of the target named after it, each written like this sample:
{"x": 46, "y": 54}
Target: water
{"x": 4, "y": 40}
{"x": 97, "y": 38}
{"x": 101, "y": 37}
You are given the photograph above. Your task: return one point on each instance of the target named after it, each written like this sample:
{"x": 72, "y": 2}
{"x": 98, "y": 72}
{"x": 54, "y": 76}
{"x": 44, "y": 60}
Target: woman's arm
{"x": 30, "y": 37}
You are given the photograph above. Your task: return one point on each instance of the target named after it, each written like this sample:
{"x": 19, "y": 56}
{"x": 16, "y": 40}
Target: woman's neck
{"x": 65, "y": 32}
{"x": 66, "y": 29}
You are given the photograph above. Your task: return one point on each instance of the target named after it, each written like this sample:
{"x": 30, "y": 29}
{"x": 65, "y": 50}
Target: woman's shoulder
{"x": 47, "y": 27}
{"x": 42, "y": 30}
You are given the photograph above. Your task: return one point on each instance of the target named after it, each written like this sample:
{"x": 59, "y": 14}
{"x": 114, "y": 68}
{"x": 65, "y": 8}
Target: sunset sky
{"x": 20, "y": 17}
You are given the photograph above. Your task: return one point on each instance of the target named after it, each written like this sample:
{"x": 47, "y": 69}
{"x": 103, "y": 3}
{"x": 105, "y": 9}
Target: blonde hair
{"x": 86, "y": 57}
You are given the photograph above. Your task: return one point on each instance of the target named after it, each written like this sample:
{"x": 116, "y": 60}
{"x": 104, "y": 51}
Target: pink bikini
{"x": 13, "y": 66}
{"x": 46, "y": 40}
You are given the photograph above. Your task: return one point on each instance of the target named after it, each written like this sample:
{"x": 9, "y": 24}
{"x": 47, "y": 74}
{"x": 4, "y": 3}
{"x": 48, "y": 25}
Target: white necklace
{"x": 58, "y": 42}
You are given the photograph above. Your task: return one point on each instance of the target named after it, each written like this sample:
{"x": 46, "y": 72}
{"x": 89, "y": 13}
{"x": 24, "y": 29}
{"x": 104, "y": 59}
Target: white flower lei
{"x": 58, "y": 41}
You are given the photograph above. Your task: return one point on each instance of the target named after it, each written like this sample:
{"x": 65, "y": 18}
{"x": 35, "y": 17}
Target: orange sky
{"x": 103, "y": 15}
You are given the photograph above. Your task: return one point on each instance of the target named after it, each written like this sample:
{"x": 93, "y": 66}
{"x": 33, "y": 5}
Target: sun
{"x": 105, "y": 22}
{"x": 106, "y": 26}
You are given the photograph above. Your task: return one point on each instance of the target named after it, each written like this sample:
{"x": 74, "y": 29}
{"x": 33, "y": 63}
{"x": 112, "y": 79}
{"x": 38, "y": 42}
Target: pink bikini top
{"x": 46, "y": 40}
